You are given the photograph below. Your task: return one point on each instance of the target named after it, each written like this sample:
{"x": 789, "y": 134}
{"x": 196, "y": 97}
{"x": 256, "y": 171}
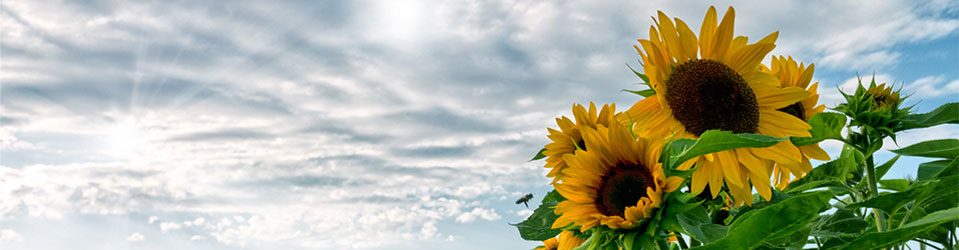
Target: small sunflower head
{"x": 549, "y": 244}
{"x": 876, "y": 107}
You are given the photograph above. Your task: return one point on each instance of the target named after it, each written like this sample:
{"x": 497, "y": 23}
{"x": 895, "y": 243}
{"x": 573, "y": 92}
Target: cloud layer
{"x": 343, "y": 124}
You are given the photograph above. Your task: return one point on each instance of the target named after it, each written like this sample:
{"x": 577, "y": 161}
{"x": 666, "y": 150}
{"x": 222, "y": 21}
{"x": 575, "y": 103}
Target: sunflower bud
{"x": 876, "y": 108}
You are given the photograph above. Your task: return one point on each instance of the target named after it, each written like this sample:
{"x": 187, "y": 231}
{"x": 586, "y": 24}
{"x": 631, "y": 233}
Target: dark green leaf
{"x": 824, "y": 126}
{"x": 676, "y": 204}
{"x": 877, "y": 240}
{"x": 590, "y": 243}
{"x": 539, "y": 155}
{"x": 795, "y": 240}
{"x": 696, "y": 223}
{"x": 839, "y": 222}
{"x": 897, "y": 185}
{"x": 946, "y": 195}
{"x": 942, "y": 148}
{"x": 881, "y": 170}
{"x": 947, "y": 113}
{"x": 890, "y": 202}
{"x": 713, "y": 141}
{"x": 760, "y": 202}
{"x": 538, "y": 226}
{"x": 930, "y": 170}
{"x": 643, "y": 93}
{"x": 831, "y": 173}
{"x": 777, "y": 221}
{"x": 856, "y": 164}
{"x": 629, "y": 240}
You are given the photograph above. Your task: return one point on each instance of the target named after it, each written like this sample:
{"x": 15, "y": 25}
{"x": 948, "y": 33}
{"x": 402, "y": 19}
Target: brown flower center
{"x": 796, "y": 109}
{"x": 706, "y": 94}
{"x": 622, "y": 187}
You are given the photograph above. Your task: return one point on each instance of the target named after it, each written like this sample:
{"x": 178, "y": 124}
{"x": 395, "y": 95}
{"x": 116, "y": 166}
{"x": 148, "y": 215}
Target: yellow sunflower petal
{"x": 780, "y": 98}
{"x": 813, "y": 151}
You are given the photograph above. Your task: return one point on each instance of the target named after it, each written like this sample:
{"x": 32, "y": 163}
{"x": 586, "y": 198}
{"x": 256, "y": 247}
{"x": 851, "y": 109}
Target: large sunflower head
{"x": 714, "y": 81}
{"x": 617, "y": 182}
{"x": 793, "y": 74}
{"x": 569, "y": 138}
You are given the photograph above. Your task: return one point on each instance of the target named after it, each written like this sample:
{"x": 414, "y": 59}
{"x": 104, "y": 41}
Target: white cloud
{"x": 167, "y": 226}
{"x": 8, "y": 235}
{"x": 199, "y": 221}
{"x": 486, "y": 214}
{"x": 197, "y": 237}
{"x": 152, "y": 219}
{"x": 135, "y": 237}
{"x": 428, "y": 230}
{"x": 524, "y": 213}
{"x": 932, "y": 86}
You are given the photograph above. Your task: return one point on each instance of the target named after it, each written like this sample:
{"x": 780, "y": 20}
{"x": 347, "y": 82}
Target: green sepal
{"x": 539, "y": 155}
{"x": 643, "y": 93}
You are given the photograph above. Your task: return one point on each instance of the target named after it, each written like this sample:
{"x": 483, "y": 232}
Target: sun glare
{"x": 126, "y": 140}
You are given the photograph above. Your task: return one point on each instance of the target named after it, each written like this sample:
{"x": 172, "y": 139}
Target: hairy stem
{"x": 873, "y": 190}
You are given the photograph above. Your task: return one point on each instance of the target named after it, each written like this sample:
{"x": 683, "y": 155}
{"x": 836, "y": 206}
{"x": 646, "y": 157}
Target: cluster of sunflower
{"x": 622, "y": 178}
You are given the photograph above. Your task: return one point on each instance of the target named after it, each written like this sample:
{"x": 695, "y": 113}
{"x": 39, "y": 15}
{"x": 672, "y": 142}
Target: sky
{"x": 360, "y": 124}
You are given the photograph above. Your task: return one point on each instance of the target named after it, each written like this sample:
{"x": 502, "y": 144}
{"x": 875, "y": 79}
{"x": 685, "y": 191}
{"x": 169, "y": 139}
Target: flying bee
{"x": 525, "y": 199}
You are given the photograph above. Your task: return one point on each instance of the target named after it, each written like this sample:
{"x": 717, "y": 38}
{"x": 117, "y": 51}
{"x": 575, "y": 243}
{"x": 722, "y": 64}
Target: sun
{"x": 126, "y": 140}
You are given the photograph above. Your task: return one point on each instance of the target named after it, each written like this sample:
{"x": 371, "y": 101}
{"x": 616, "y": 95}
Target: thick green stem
{"x": 873, "y": 190}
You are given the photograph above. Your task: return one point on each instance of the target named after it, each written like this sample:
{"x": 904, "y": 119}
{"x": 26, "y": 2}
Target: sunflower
{"x": 715, "y": 81}
{"x": 549, "y": 244}
{"x": 791, "y": 74}
{"x": 569, "y": 137}
{"x": 568, "y": 240}
{"x": 615, "y": 182}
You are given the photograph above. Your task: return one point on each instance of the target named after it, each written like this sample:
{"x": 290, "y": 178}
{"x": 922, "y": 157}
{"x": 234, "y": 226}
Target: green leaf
{"x": 881, "y": 170}
{"x": 824, "y": 126}
{"x": 538, "y": 227}
{"x": 776, "y": 221}
{"x": 643, "y": 93}
{"x": 897, "y": 185}
{"x": 946, "y": 195}
{"x": 877, "y": 240}
{"x": 629, "y": 239}
{"x": 676, "y": 204}
{"x": 697, "y": 224}
{"x": 539, "y": 155}
{"x": 942, "y": 148}
{"x": 795, "y": 240}
{"x": 831, "y": 173}
{"x": 713, "y": 141}
{"x": 839, "y": 222}
{"x": 890, "y": 202}
{"x": 759, "y": 202}
{"x": 589, "y": 243}
{"x": 932, "y": 169}
{"x": 947, "y": 113}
